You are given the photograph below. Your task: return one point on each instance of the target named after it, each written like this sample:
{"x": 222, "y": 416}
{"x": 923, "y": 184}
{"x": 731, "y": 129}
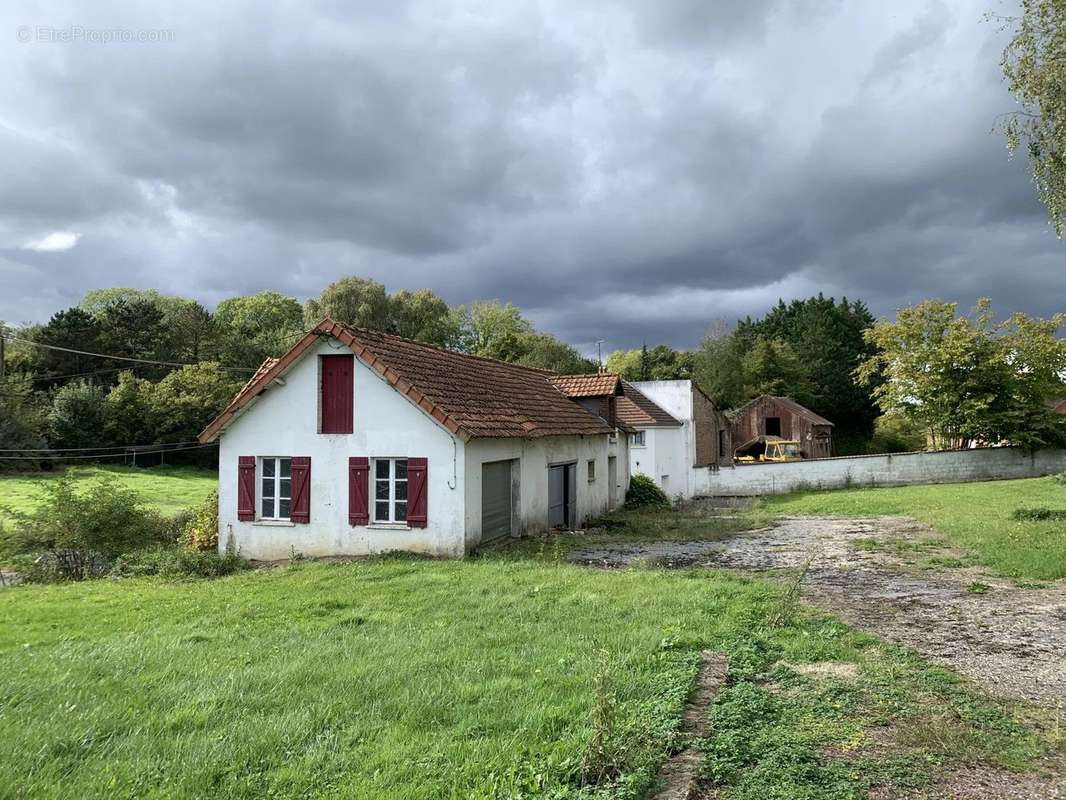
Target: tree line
{"x": 930, "y": 377}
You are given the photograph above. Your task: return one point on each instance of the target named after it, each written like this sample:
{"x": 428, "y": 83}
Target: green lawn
{"x": 973, "y": 516}
{"x": 168, "y": 489}
{"x": 404, "y": 678}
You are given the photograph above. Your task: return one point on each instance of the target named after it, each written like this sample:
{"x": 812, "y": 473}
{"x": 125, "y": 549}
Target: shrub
{"x": 896, "y": 433}
{"x": 1060, "y": 478}
{"x": 199, "y": 530}
{"x": 74, "y": 535}
{"x": 643, "y": 492}
{"x": 178, "y": 562}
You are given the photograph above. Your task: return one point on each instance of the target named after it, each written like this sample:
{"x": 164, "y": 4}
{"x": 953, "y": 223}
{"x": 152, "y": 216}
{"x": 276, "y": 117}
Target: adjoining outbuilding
{"x": 357, "y": 442}
{"x": 781, "y": 418}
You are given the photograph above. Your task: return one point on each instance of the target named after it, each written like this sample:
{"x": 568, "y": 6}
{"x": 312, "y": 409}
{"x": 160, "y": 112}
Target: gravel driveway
{"x": 1011, "y": 640}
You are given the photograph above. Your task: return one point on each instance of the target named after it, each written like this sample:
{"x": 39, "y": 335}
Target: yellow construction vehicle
{"x": 768, "y": 448}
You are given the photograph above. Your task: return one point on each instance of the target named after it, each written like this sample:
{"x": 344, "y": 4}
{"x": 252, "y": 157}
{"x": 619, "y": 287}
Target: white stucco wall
{"x": 899, "y": 469}
{"x": 284, "y": 422}
{"x": 535, "y": 456}
{"x": 674, "y": 449}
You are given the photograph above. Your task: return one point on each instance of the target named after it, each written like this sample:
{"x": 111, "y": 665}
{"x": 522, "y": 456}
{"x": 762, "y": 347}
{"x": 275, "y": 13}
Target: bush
{"x": 199, "y": 530}
{"x": 74, "y": 535}
{"x": 895, "y": 433}
{"x": 643, "y": 492}
{"x": 178, "y": 562}
{"x": 1060, "y": 478}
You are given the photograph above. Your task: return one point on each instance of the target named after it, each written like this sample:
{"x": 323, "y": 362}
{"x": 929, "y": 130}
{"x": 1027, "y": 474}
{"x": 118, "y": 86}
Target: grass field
{"x": 973, "y": 516}
{"x": 168, "y": 489}
{"x": 513, "y": 675}
{"x": 405, "y": 678}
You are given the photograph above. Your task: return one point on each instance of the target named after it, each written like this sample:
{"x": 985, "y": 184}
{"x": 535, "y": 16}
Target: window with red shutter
{"x": 417, "y": 469}
{"x": 358, "y": 490}
{"x": 246, "y": 488}
{"x": 301, "y": 489}
{"x": 336, "y": 397}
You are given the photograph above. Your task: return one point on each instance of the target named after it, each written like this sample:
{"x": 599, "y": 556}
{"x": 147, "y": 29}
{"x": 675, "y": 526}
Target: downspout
{"x": 455, "y": 465}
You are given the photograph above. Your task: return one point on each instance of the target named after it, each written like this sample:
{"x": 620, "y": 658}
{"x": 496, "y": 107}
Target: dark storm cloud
{"x": 624, "y": 171}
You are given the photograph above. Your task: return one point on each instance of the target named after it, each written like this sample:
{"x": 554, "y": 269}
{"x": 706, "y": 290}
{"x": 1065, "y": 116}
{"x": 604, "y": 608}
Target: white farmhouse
{"x": 358, "y": 442}
{"x": 677, "y": 430}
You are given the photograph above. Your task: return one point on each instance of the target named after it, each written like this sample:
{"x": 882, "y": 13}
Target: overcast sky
{"x": 620, "y": 170}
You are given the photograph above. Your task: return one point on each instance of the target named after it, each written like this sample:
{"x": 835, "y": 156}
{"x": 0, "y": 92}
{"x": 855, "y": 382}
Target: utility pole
{"x": 599, "y": 354}
{"x": 3, "y": 355}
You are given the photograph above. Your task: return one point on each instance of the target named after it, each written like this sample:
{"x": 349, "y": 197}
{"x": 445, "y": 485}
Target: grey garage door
{"x": 495, "y": 500}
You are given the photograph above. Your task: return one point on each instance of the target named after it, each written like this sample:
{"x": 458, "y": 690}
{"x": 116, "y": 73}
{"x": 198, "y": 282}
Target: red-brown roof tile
{"x": 637, "y": 410}
{"x": 470, "y": 396}
{"x": 595, "y": 384}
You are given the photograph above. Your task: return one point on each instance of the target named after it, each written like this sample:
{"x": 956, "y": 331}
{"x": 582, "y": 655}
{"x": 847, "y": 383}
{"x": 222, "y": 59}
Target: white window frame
{"x": 634, "y": 441}
{"x": 392, "y": 501}
{"x": 260, "y": 495}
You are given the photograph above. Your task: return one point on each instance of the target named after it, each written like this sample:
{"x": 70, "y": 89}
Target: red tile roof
{"x": 636, "y": 409}
{"x": 596, "y": 384}
{"x": 470, "y": 396}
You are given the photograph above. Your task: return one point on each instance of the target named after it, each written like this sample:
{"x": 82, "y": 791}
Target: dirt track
{"x": 1010, "y": 640}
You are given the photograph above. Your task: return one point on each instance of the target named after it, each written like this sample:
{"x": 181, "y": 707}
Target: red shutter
{"x": 416, "y": 492}
{"x": 246, "y": 488}
{"x": 337, "y": 393}
{"x": 358, "y": 490}
{"x": 301, "y": 489}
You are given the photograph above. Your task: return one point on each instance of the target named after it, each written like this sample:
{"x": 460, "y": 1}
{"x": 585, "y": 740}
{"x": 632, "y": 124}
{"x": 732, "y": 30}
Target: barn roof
{"x": 470, "y": 396}
{"x": 787, "y": 402}
{"x": 635, "y": 409}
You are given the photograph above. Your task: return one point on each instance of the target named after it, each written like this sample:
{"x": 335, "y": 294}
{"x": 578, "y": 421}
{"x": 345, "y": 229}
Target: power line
{"x": 15, "y": 376}
{"x": 104, "y": 455}
{"x": 118, "y": 358}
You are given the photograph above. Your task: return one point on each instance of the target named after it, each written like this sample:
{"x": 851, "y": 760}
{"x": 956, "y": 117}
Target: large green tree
{"x": 969, "y": 378}
{"x": 187, "y": 399}
{"x": 659, "y": 363}
{"x": 252, "y": 327}
{"x": 72, "y": 329}
{"x": 361, "y": 302}
{"x": 828, "y": 338}
{"x": 1034, "y": 64}
{"x": 78, "y": 418}
{"x": 719, "y": 366}
{"x": 23, "y": 422}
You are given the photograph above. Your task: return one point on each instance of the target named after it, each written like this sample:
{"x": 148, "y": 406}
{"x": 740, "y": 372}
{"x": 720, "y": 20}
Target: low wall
{"x": 897, "y": 469}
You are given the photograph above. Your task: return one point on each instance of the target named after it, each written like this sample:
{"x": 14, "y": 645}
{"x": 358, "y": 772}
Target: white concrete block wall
{"x": 284, "y": 422}
{"x": 900, "y": 469}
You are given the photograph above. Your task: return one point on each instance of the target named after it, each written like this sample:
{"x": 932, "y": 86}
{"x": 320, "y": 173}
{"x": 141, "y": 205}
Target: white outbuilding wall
{"x": 534, "y": 457}
{"x": 670, "y": 451}
{"x": 284, "y": 422}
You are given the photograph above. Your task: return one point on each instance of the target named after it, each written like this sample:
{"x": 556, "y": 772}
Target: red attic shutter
{"x": 416, "y": 491}
{"x": 336, "y": 398}
{"x": 246, "y": 488}
{"x": 301, "y": 489}
{"x": 358, "y": 489}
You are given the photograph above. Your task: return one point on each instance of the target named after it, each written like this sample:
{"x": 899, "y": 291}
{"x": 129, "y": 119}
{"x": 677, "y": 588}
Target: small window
{"x": 592, "y": 469}
{"x": 390, "y": 490}
{"x": 275, "y": 488}
{"x": 637, "y": 439}
{"x": 773, "y": 426}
